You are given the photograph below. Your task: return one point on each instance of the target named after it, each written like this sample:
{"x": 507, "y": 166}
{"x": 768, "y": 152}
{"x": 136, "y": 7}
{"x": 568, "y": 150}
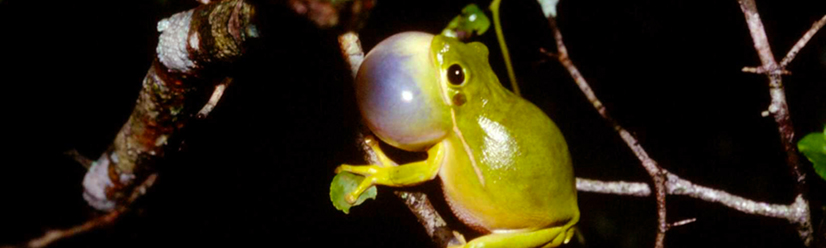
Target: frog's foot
{"x": 546, "y": 238}
{"x": 396, "y": 176}
{"x": 367, "y": 171}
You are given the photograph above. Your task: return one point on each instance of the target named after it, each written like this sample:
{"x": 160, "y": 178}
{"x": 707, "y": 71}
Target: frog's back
{"x": 520, "y": 176}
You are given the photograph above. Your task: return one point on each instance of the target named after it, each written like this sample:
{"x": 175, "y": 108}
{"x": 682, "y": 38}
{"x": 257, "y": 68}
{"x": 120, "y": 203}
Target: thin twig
{"x": 614, "y": 188}
{"x": 79, "y": 158}
{"x": 97, "y": 222}
{"x": 682, "y": 222}
{"x": 351, "y": 51}
{"x": 679, "y": 186}
{"x": 215, "y": 98}
{"x": 802, "y": 42}
{"x": 761, "y": 70}
{"x": 778, "y": 106}
{"x": 656, "y": 173}
{"x": 55, "y": 235}
{"x": 796, "y": 213}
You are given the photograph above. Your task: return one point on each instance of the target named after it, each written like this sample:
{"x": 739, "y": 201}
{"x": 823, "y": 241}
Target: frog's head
{"x": 409, "y": 82}
{"x": 466, "y": 79}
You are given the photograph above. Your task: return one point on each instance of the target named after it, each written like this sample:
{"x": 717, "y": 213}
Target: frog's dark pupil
{"x": 455, "y": 74}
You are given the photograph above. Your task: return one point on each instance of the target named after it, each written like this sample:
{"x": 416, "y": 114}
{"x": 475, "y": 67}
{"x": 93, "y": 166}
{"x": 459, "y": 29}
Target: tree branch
{"x": 193, "y": 48}
{"x": 778, "y": 106}
{"x": 191, "y": 41}
{"x": 796, "y": 213}
{"x": 679, "y": 186}
{"x": 614, "y": 188}
{"x": 657, "y": 174}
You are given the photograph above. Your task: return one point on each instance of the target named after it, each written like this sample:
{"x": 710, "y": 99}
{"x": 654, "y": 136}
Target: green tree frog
{"x": 504, "y": 165}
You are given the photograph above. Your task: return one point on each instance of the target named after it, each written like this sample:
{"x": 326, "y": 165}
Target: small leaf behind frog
{"x": 471, "y": 20}
{"x": 814, "y": 147}
{"x": 344, "y": 183}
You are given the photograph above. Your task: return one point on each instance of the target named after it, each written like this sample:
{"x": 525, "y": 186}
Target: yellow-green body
{"x": 504, "y": 165}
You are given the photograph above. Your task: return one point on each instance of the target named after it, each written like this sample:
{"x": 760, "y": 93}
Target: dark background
{"x": 257, "y": 171}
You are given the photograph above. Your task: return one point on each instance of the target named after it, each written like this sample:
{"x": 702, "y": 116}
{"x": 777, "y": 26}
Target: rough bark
{"x": 194, "y": 45}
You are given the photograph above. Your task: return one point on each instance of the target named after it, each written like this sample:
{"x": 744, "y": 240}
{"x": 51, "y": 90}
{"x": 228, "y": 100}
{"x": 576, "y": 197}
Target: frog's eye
{"x": 399, "y": 94}
{"x": 455, "y": 74}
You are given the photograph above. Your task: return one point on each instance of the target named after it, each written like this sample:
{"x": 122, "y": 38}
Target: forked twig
{"x": 657, "y": 174}
{"x": 797, "y": 213}
{"x": 778, "y": 107}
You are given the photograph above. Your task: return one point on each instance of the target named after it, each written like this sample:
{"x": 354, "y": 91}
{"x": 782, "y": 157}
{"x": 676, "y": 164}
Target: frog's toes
{"x": 365, "y": 184}
{"x": 350, "y": 198}
{"x": 340, "y": 168}
{"x": 568, "y": 235}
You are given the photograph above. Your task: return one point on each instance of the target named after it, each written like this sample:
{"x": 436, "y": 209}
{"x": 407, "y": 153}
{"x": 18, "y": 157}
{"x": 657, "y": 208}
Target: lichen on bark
{"x": 194, "y": 48}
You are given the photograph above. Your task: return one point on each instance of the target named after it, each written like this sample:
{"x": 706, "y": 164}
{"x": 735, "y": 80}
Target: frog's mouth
{"x": 398, "y": 92}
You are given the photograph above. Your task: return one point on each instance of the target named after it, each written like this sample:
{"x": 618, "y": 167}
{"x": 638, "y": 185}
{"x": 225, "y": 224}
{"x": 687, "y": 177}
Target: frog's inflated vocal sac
{"x": 504, "y": 165}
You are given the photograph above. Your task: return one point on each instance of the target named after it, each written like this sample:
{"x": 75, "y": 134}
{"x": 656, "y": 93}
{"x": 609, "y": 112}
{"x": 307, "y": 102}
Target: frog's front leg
{"x": 547, "y": 237}
{"x": 397, "y": 176}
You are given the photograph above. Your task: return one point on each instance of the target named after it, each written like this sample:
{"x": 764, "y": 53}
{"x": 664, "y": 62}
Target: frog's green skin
{"x": 504, "y": 165}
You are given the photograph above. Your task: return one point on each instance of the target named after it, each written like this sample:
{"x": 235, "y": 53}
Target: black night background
{"x": 257, "y": 171}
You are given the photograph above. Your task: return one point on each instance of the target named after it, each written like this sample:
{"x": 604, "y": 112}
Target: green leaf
{"x": 472, "y": 20}
{"x": 813, "y": 146}
{"x": 344, "y": 183}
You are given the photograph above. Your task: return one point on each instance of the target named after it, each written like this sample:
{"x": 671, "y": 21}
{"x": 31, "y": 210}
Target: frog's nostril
{"x": 398, "y": 92}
